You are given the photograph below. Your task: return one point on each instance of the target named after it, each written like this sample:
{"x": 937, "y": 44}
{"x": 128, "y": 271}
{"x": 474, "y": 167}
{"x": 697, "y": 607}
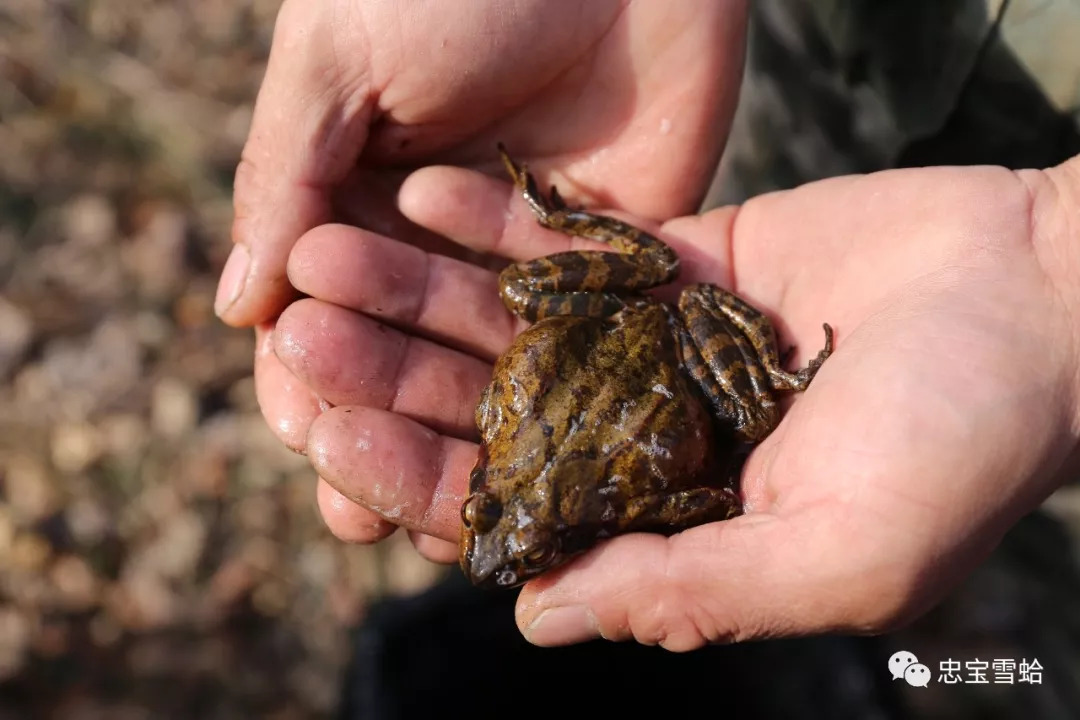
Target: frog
{"x": 613, "y": 412}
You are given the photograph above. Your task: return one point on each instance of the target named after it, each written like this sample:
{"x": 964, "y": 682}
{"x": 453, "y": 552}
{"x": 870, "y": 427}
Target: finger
{"x": 286, "y": 403}
{"x": 486, "y": 214}
{"x": 348, "y": 521}
{"x": 347, "y": 358}
{"x": 747, "y": 578}
{"x": 849, "y": 535}
{"x": 405, "y": 472}
{"x": 759, "y": 575}
{"x": 434, "y": 549}
{"x": 489, "y": 216}
{"x": 444, "y": 299}
{"x": 367, "y": 198}
{"x": 309, "y": 124}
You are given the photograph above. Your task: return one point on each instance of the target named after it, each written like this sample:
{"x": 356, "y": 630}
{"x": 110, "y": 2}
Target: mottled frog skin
{"x": 614, "y": 412}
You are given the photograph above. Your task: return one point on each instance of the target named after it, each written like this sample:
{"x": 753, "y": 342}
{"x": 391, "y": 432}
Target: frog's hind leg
{"x": 724, "y": 365}
{"x": 587, "y": 282}
{"x": 592, "y": 284}
{"x": 555, "y": 214}
{"x": 756, "y": 328}
{"x": 730, "y": 350}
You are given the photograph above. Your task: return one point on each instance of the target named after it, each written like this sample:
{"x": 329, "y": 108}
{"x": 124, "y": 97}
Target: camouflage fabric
{"x": 850, "y": 86}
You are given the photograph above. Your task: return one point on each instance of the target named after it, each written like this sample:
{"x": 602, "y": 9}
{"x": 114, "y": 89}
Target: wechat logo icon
{"x": 905, "y": 665}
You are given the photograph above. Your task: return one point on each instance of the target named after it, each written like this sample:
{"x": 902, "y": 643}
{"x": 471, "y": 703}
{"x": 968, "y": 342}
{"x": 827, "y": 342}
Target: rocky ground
{"x": 160, "y": 553}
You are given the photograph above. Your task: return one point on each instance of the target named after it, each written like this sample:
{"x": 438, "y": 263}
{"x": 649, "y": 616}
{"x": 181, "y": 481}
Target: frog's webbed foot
{"x": 805, "y": 375}
{"x": 526, "y": 183}
{"x": 555, "y": 214}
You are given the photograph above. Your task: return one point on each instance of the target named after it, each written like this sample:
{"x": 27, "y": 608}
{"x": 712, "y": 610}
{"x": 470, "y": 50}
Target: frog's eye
{"x": 539, "y": 554}
{"x": 481, "y": 512}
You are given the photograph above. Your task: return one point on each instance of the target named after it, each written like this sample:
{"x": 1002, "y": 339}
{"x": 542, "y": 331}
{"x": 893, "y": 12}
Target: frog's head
{"x": 502, "y": 546}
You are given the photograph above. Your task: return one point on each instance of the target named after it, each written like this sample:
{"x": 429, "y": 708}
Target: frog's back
{"x": 587, "y": 414}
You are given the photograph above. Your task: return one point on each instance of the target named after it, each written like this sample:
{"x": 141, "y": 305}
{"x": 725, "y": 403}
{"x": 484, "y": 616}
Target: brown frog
{"x": 614, "y": 412}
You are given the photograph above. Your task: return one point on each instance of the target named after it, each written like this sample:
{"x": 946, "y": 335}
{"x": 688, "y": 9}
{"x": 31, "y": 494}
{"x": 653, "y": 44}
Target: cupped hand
{"x": 948, "y": 410}
{"x": 633, "y": 99}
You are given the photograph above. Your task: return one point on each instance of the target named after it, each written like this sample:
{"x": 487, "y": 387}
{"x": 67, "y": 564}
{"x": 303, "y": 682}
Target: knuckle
{"x": 358, "y": 534}
{"x": 667, "y": 622}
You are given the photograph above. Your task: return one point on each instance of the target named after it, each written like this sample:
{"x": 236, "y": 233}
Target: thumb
{"x": 309, "y": 124}
{"x": 753, "y": 577}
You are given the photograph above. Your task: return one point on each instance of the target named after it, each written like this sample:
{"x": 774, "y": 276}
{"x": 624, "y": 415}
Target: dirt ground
{"x": 161, "y": 554}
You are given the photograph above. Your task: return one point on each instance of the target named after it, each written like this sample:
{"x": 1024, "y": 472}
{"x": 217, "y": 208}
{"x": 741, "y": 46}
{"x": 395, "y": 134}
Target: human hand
{"x": 948, "y": 410}
{"x": 631, "y": 98}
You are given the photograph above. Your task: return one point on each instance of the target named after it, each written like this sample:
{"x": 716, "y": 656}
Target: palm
{"x": 625, "y": 103}
{"x": 358, "y": 93}
{"x": 930, "y": 278}
{"x": 927, "y": 431}
{"x": 584, "y": 93}
{"x": 630, "y": 98}
{"x": 940, "y": 418}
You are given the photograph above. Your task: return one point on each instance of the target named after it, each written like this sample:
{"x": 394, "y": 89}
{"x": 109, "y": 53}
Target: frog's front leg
{"x": 669, "y": 513}
{"x": 589, "y": 283}
{"x": 730, "y": 349}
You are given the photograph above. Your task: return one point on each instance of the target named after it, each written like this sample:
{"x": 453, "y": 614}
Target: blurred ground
{"x": 160, "y": 554}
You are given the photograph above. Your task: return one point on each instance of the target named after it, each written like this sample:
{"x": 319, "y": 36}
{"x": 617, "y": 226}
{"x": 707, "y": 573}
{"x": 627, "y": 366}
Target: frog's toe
{"x": 518, "y": 172}
{"x": 807, "y": 374}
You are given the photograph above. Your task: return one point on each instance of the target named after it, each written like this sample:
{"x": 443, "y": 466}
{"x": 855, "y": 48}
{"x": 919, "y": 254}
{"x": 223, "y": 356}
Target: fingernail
{"x": 233, "y": 278}
{"x": 563, "y": 626}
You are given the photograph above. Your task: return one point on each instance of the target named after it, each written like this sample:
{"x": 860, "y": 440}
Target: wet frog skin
{"x": 614, "y": 412}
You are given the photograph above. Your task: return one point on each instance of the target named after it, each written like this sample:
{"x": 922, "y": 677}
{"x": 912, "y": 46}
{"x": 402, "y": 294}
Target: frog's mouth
{"x": 491, "y": 570}
{"x": 503, "y": 578}
{"x": 488, "y": 562}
